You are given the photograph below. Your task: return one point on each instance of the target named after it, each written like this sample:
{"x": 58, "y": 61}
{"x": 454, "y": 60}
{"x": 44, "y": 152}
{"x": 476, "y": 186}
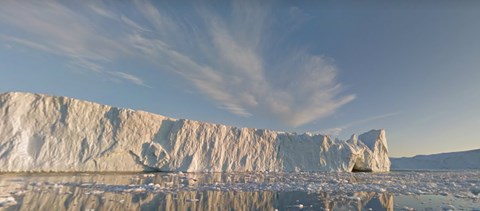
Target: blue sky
{"x": 331, "y": 67}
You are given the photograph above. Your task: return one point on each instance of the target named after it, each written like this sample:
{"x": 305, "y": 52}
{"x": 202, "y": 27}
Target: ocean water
{"x": 403, "y": 190}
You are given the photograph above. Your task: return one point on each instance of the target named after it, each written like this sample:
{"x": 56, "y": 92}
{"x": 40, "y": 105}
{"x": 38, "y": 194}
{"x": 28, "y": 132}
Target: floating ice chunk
{"x": 355, "y": 198}
{"x": 19, "y": 192}
{"x": 36, "y": 184}
{"x": 475, "y": 190}
{"x": 449, "y": 208}
{"x": 57, "y": 185}
{"x": 299, "y": 206}
{"x": 381, "y": 190}
{"x": 7, "y": 201}
{"x": 138, "y": 190}
{"x": 97, "y": 192}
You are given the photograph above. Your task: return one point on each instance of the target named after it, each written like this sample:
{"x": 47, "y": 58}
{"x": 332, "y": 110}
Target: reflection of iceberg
{"x": 376, "y": 201}
{"x": 359, "y": 201}
{"x": 70, "y": 192}
{"x": 208, "y": 200}
{"x": 78, "y": 200}
{"x": 335, "y": 191}
{"x": 58, "y": 134}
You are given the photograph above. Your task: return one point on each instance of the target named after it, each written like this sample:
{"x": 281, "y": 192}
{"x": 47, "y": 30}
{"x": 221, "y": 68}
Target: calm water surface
{"x": 242, "y": 191}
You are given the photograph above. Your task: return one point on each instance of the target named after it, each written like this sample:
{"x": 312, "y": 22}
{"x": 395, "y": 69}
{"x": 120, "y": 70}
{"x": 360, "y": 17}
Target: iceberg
{"x": 41, "y": 133}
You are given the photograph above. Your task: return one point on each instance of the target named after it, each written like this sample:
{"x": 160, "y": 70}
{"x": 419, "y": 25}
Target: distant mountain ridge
{"x": 450, "y": 160}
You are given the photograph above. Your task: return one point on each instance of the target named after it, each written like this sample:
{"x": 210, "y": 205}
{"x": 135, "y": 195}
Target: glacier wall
{"x": 40, "y": 133}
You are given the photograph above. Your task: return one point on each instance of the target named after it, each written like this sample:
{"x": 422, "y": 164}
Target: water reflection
{"x": 207, "y": 200}
{"x": 166, "y": 191}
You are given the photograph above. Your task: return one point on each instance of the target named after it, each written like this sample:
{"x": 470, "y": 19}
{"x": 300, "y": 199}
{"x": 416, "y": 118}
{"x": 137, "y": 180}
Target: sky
{"x": 330, "y": 67}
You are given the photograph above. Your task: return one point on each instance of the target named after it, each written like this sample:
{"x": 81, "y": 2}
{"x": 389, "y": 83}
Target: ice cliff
{"x": 40, "y": 133}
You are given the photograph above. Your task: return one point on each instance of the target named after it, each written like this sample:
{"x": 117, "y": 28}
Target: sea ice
{"x": 344, "y": 188}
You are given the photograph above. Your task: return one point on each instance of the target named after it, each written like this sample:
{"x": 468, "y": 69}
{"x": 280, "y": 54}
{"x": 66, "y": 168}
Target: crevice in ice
{"x": 113, "y": 116}
{"x": 162, "y": 137}
{"x": 154, "y": 155}
{"x": 359, "y": 165}
{"x": 85, "y": 148}
{"x": 138, "y": 160}
{"x": 35, "y": 144}
{"x": 360, "y": 170}
{"x": 63, "y": 111}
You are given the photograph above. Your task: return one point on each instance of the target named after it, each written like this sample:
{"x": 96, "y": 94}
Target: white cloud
{"x": 56, "y": 29}
{"x": 98, "y": 9}
{"x": 337, "y": 130}
{"x": 27, "y": 43}
{"x": 128, "y": 77}
{"x": 132, "y": 23}
{"x": 227, "y": 58}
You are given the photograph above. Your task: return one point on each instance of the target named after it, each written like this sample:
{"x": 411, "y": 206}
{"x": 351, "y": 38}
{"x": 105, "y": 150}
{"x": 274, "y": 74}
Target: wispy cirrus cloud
{"x": 337, "y": 130}
{"x": 233, "y": 58}
{"x": 57, "y": 29}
